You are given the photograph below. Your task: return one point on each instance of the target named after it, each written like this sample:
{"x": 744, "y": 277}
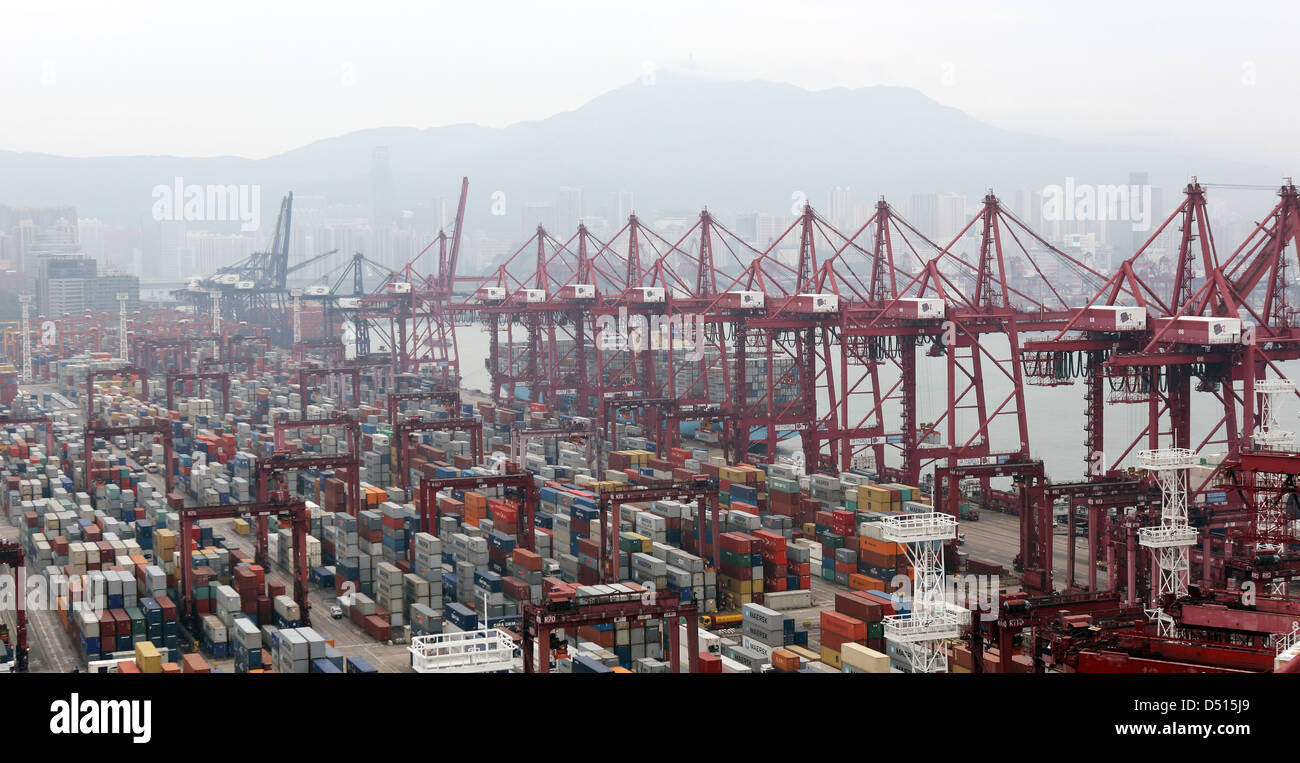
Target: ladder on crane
{"x": 488, "y": 650}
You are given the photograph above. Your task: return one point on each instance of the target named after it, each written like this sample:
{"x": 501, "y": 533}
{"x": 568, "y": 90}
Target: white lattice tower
{"x": 921, "y": 633}
{"x": 122, "y": 298}
{"x": 297, "y": 316}
{"x": 26, "y": 301}
{"x": 1169, "y": 540}
{"x": 1270, "y": 433}
{"x": 215, "y": 295}
{"x": 1270, "y": 495}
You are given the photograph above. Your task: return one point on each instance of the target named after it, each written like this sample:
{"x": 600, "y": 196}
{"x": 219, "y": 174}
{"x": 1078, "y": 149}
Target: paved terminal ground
{"x": 994, "y": 537}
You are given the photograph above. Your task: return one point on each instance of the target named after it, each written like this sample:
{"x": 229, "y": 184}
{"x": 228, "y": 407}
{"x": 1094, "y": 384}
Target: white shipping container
{"x": 917, "y": 308}
{"x": 1199, "y": 330}
{"x": 1112, "y": 318}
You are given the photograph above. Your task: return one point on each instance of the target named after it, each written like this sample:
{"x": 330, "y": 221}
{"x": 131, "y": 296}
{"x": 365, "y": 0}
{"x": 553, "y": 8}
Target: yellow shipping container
{"x": 803, "y": 653}
{"x": 241, "y": 527}
{"x": 832, "y": 658}
{"x": 731, "y": 474}
{"x": 147, "y": 657}
{"x": 864, "y": 659}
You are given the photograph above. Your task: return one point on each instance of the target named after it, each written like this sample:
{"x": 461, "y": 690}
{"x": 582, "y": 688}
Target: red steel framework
{"x": 11, "y": 554}
{"x": 449, "y": 398}
{"x": 696, "y": 490}
{"x": 222, "y": 380}
{"x": 539, "y": 620}
{"x": 410, "y": 313}
{"x": 403, "y": 430}
{"x": 297, "y": 510}
{"x": 41, "y": 421}
{"x": 518, "y": 481}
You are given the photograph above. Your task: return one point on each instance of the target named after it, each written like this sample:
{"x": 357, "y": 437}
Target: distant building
{"x": 533, "y": 214}
{"x": 30, "y": 232}
{"x": 568, "y": 211}
{"x": 952, "y": 216}
{"x": 626, "y": 206}
{"x": 71, "y": 284}
{"x": 923, "y": 214}
{"x": 383, "y": 198}
{"x": 840, "y": 209}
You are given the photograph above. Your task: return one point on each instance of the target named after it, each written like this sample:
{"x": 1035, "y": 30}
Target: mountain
{"x": 679, "y": 144}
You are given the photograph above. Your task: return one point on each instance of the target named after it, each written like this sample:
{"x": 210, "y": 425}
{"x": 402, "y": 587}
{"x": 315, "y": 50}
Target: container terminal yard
{"x": 691, "y": 456}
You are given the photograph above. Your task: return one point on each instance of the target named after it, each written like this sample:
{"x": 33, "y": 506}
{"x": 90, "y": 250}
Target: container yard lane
{"x": 996, "y": 538}
{"x": 50, "y": 649}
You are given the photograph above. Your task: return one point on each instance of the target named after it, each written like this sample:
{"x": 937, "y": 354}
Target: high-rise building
{"x": 840, "y": 208}
{"x": 90, "y": 235}
{"x": 568, "y": 211}
{"x": 1138, "y": 183}
{"x": 766, "y": 228}
{"x": 533, "y": 214}
{"x": 626, "y": 206}
{"x": 171, "y": 240}
{"x": 383, "y": 199}
{"x": 952, "y": 216}
{"x": 923, "y": 214}
{"x": 70, "y": 284}
{"x": 212, "y": 251}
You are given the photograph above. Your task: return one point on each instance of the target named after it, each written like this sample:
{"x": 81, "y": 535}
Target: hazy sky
{"x": 258, "y": 78}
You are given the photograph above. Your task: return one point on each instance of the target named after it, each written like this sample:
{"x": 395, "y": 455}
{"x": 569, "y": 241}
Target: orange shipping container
{"x": 785, "y": 661}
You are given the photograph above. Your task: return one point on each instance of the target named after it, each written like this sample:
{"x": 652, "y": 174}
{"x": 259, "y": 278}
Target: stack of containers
{"x": 389, "y": 594}
{"x": 489, "y": 598}
{"x": 247, "y": 645}
{"x": 394, "y": 527}
{"x": 250, "y": 584}
{"x": 426, "y": 558}
{"x": 228, "y": 605}
{"x": 500, "y": 545}
{"x": 416, "y": 591}
{"x": 216, "y": 637}
{"x": 292, "y": 651}
{"x": 161, "y": 625}
{"x": 783, "y": 496}
{"x": 370, "y": 618}
{"x": 879, "y": 560}
{"x": 858, "y": 618}
{"x": 775, "y": 562}
{"x": 287, "y": 612}
{"x": 766, "y": 630}
{"x": 740, "y": 567}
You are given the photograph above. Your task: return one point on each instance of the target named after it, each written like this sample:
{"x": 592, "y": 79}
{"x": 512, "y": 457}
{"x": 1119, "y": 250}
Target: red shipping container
{"x": 860, "y": 607}
{"x": 741, "y": 543}
{"x": 710, "y": 663}
{"x": 107, "y": 626}
{"x": 843, "y": 625}
{"x": 886, "y": 604}
{"x": 379, "y": 628}
{"x": 526, "y": 559}
{"x": 193, "y": 663}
